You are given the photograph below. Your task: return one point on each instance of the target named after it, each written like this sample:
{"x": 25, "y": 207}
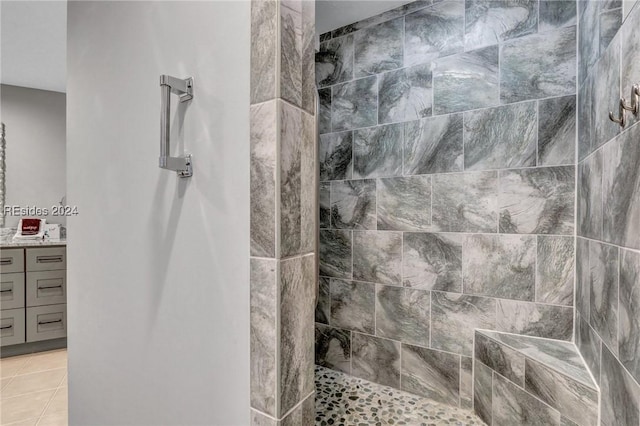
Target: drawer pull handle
{"x": 6, "y": 327}
{"x": 7, "y": 291}
{"x": 50, "y": 287}
{"x": 49, "y": 259}
{"x": 6, "y": 261}
{"x": 49, "y": 322}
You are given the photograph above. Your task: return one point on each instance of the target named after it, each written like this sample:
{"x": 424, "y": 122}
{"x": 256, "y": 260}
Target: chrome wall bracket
{"x": 184, "y": 89}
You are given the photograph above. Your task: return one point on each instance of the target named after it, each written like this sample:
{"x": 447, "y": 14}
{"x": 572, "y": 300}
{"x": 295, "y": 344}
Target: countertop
{"x": 6, "y": 240}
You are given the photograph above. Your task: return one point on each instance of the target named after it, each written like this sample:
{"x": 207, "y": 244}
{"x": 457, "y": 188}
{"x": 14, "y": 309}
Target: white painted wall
{"x": 158, "y": 266}
{"x": 36, "y": 154}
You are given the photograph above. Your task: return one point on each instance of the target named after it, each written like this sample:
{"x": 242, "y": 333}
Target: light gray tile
{"x": 556, "y": 129}
{"x": 353, "y": 204}
{"x": 500, "y": 358}
{"x": 589, "y": 344}
{"x": 590, "y": 218}
{"x": 291, "y": 51}
{"x": 514, "y": 406}
{"x": 465, "y": 202}
{"x": 535, "y": 319}
{"x": 333, "y": 348}
{"x": 263, "y": 50}
{"x": 335, "y": 253}
{"x": 308, "y": 185}
{"x": 377, "y": 257}
{"x": 259, "y": 419}
{"x": 378, "y": 48}
{"x": 353, "y": 305}
{"x": 556, "y": 13}
{"x": 303, "y": 414}
{"x": 434, "y": 32}
{"x": 290, "y": 180}
{"x": 433, "y": 145}
{"x": 324, "y": 202}
{"x": 583, "y": 280}
{"x": 482, "y": 391}
{"x": 431, "y": 373}
{"x": 606, "y": 94}
{"x": 404, "y": 203}
{"x": 335, "y": 156}
{"x": 334, "y": 61}
{"x": 323, "y": 304}
{"x": 405, "y": 94}
{"x": 589, "y": 36}
{"x": 324, "y": 110}
{"x": 538, "y": 66}
{"x": 377, "y": 151}
{"x": 603, "y": 307}
{"x": 492, "y": 22}
{"x": 403, "y": 314}
{"x": 499, "y": 266}
{"x": 610, "y": 22}
{"x": 555, "y": 270}
{"x": 619, "y": 393}
{"x": 501, "y": 137}
{"x": 630, "y": 51}
{"x": 308, "y": 57}
{"x": 537, "y": 201}
{"x": 432, "y": 261}
{"x": 586, "y": 118}
{"x": 466, "y": 81}
{"x": 354, "y": 104}
{"x": 455, "y": 317}
{"x": 466, "y": 383}
{"x": 629, "y": 314}
{"x": 376, "y": 359}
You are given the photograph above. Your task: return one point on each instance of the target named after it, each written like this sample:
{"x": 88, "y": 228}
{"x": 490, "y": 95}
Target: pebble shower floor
{"x": 342, "y": 400}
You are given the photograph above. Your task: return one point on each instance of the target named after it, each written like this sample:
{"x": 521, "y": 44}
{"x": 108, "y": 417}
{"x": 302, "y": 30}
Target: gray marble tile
{"x": 434, "y": 32}
{"x": 290, "y": 179}
{"x": 353, "y": 305}
{"x": 333, "y": 348}
{"x": 627, "y": 7}
{"x": 555, "y": 270}
{"x": 588, "y": 37}
{"x": 377, "y": 151}
{"x": 433, "y": 145}
{"x": 466, "y": 383}
{"x": 630, "y": 51}
{"x": 325, "y": 36}
{"x": 263, "y": 179}
{"x": 629, "y": 314}
{"x": 308, "y": 185}
{"x": 482, "y": 391}
{"x": 603, "y": 306}
{"x": 499, "y": 266}
{"x": 589, "y": 209}
{"x": 376, "y": 359}
{"x": 334, "y": 248}
{"x": 572, "y": 399}
{"x": 405, "y": 94}
{"x": 501, "y": 137}
{"x": 263, "y": 50}
{"x": 377, "y": 257}
{"x": 404, "y": 203}
{"x": 557, "y": 130}
{"x": 353, "y": 204}
{"x": 610, "y": 23}
{"x": 514, "y": 406}
{"x": 537, "y": 201}
{"x": 323, "y": 303}
{"x": 621, "y": 189}
{"x": 378, "y": 48}
{"x": 619, "y": 393}
{"x": 324, "y": 110}
{"x": 538, "y": 66}
{"x": 454, "y": 317}
{"x": 308, "y": 57}
{"x": 403, "y": 314}
{"x": 291, "y": 51}
{"x": 432, "y": 261}
{"x": 586, "y": 118}
{"x": 500, "y": 358}
{"x": 335, "y": 156}
{"x": 465, "y": 202}
{"x": 556, "y": 13}
{"x": 324, "y": 203}
{"x": 296, "y": 350}
{"x": 466, "y": 81}
{"x": 354, "y": 104}
{"x": 492, "y": 22}
{"x": 606, "y": 94}
{"x": 303, "y": 414}
{"x": 259, "y": 419}
{"x": 535, "y": 319}
{"x": 334, "y": 61}
{"x": 431, "y": 373}
{"x": 589, "y": 344}
{"x": 263, "y": 335}
{"x": 583, "y": 280}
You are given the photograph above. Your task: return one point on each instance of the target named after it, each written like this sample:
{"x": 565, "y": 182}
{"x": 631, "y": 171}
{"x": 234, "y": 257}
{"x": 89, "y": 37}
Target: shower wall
{"x": 447, "y": 169}
{"x": 608, "y": 207}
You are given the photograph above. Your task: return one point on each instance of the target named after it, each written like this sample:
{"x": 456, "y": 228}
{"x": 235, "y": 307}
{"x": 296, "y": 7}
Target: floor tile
{"x": 34, "y": 382}
{"x": 24, "y": 407}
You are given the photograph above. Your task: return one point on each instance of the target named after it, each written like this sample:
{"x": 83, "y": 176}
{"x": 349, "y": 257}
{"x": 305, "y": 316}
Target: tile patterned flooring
{"x": 349, "y": 401}
{"x": 33, "y": 389}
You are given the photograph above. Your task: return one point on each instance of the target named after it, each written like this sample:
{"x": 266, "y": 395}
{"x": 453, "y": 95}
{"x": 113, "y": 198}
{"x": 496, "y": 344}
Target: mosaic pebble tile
{"x": 343, "y": 400}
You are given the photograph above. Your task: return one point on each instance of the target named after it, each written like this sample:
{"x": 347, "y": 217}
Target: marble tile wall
{"x": 607, "y": 326}
{"x": 447, "y": 187}
{"x": 283, "y": 212}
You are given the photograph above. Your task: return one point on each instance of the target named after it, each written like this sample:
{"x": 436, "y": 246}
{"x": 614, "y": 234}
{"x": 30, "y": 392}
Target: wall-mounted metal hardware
{"x": 184, "y": 89}
{"x": 633, "y": 106}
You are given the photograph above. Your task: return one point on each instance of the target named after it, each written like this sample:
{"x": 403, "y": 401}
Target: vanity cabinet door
{"x": 11, "y": 327}
{"x": 11, "y": 260}
{"x": 11, "y": 291}
{"x": 46, "y": 259}
{"x": 46, "y": 288}
{"x": 46, "y": 322}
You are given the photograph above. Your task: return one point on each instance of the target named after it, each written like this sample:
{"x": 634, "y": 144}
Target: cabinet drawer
{"x": 11, "y": 291}
{"x": 46, "y": 288}
{"x": 11, "y": 327}
{"x": 46, "y": 322}
{"x": 46, "y": 259}
{"x": 11, "y": 260}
